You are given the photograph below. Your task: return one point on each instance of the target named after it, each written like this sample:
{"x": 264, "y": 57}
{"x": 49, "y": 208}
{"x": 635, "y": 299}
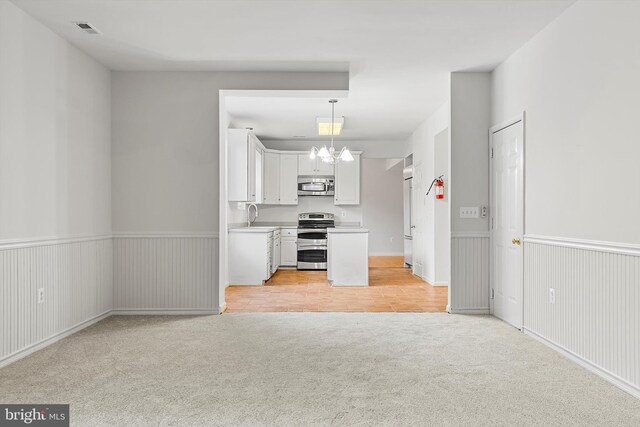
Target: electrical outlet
{"x": 40, "y": 295}
{"x": 343, "y": 214}
{"x": 470, "y": 212}
{"x": 483, "y": 211}
{"x": 552, "y": 296}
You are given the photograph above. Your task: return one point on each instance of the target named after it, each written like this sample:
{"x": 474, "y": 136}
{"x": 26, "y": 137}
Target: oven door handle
{"x": 312, "y": 248}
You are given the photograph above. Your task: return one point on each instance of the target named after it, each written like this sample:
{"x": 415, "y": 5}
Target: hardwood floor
{"x": 391, "y": 289}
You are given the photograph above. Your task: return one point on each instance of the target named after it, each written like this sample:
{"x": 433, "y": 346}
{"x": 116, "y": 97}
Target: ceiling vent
{"x": 87, "y": 28}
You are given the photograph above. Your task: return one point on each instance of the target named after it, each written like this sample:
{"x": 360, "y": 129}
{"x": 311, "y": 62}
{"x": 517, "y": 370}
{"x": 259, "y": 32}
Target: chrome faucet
{"x": 249, "y": 222}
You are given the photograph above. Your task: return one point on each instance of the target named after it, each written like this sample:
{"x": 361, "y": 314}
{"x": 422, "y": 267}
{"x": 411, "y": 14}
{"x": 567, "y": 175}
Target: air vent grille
{"x": 87, "y": 28}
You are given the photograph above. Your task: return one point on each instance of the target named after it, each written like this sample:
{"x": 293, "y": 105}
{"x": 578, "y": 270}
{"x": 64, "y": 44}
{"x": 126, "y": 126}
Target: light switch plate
{"x": 470, "y": 212}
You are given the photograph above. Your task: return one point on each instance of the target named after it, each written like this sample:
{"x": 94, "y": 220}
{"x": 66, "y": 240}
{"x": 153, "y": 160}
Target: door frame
{"x": 492, "y": 130}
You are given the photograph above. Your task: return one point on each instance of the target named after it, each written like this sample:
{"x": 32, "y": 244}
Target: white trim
{"x": 165, "y": 311}
{"x": 166, "y": 235}
{"x": 481, "y": 310}
{"x": 470, "y": 235}
{"x": 24, "y": 352}
{"x": 589, "y": 245}
{"x": 440, "y": 283}
{"x": 286, "y": 93}
{"x": 603, "y": 373}
{"x": 48, "y": 241}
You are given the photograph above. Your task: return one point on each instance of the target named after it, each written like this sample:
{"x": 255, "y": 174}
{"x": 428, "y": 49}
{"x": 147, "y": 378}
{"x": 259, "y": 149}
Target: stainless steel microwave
{"x": 316, "y": 186}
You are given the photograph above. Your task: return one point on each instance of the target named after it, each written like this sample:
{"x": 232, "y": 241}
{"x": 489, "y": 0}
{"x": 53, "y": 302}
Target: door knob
{"x": 516, "y": 242}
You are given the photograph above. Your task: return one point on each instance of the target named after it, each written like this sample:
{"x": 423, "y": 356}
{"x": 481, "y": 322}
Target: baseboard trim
{"x": 439, "y": 283}
{"x": 165, "y": 311}
{"x": 22, "y": 353}
{"x": 602, "y": 373}
{"x": 469, "y": 310}
{"x": 470, "y": 235}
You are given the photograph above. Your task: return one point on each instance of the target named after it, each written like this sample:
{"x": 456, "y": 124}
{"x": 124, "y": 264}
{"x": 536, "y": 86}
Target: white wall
{"x": 54, "y": 134}
{"x": 165, "y": 143}
{"x": 470, "y": 122}
{"x": 382, "y": 204}
{"x": 54, "y": 186}
{"x": 165, "y": 162}
{"x": 380, "y": 208}
{"x": 442, "y": 224}
{"x": 469, "y": 186}
{"x": 579, "y": 89}
{"x": 577, "y": 81}
{"x": 422, "y": 144}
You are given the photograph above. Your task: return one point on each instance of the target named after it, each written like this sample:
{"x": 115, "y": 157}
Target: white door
{"x": 289, "y": 252}
{"x": 347, "y": 182}
{"x": 271, "y": 178}
{"x": 306, "y": 165}
{"x": 323, "y": 168}
{"x": 288, "y": 179}
{"x": 259, "y": 176}
{"x": 507, "y": 221}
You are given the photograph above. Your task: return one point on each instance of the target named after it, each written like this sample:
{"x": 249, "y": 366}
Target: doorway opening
{"x": 276, "y": 143}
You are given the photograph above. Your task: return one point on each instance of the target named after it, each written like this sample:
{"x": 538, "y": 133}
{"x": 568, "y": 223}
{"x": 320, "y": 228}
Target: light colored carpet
{"x": 313, "y": 368}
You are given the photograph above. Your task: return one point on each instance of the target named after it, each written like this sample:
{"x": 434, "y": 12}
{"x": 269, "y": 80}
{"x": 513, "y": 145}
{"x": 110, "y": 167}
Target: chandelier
{"x": 329, "y": 155}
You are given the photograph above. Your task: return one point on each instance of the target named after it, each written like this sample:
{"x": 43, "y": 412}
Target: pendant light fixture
{"x": 329, "y": 155}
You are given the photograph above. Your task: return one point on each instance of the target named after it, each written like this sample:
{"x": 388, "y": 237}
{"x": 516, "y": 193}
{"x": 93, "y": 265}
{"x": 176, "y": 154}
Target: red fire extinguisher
{"x": 439, "y": 184}
{"x": 439, "y": 188}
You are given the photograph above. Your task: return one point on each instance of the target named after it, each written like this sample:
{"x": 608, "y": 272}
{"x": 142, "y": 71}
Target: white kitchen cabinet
{"x": 348, "y": 256}
{"x": 276, "y": 250}
{"x": 251, "y": 256}
{"x": 271, "y": 188}
{"x": 244, "y": 171}
{"x": 308, "y": 166}
{"x": 289, "y": 247}
{"x": 347, "y": 182}
{"x": 323, "y": 168}
{"x": 259, "y": 175}
{"x": 288, "y": 179}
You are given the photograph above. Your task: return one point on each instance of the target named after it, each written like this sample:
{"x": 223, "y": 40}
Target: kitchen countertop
{"x": 253, "y": 229}
{"x": 347, "y": 229}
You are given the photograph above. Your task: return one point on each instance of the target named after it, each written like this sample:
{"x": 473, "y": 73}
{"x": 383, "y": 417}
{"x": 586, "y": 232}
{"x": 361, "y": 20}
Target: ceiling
{"x": 398, "y": 53}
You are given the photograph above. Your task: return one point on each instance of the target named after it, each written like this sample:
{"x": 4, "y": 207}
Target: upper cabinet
{"x": 348, "y": 182}
{"x": 308, "y": 166}
{"x": 244, "y": 151}
{"x": 288, "y": 179}
{"x": 271, "y": 178}
{"x": 258, "y": 175}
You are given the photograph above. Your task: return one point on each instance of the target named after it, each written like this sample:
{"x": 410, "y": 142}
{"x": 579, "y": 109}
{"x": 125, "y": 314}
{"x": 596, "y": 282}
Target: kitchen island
{"x": 348, "y": 256}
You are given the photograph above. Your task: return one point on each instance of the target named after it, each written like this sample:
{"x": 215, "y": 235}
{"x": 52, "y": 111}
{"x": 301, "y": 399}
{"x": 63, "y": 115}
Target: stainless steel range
{"x": 312, "y": 240}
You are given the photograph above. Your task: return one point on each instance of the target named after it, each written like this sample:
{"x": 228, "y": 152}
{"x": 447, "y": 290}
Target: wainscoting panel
{"x": 469, "y": 286}
{"x": 175, "y": 273}
{"x": 75, "y": 275}
{"x": 596, "y": 314}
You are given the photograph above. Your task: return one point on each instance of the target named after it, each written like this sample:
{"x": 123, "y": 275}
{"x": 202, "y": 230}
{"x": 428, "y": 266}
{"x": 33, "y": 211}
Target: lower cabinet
{"x": 289, "y": 252}
{"x": 251, "y": 257}
{"x": 289, "y": 247}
